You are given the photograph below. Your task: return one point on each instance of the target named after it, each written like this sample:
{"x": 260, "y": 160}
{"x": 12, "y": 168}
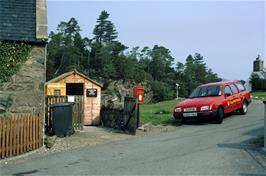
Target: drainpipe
{"x": 44, "y": 91}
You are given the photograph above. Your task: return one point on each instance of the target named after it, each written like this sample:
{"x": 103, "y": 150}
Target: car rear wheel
{"x": 220, "y": 116}
{"x": 244, "y": 109}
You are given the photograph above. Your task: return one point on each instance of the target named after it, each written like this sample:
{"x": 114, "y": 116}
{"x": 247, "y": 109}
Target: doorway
{"x": 75, "y": 89}
{"x": 75, "y": 92}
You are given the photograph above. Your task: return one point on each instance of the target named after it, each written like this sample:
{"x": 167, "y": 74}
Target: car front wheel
{"x": 220, "y": 116}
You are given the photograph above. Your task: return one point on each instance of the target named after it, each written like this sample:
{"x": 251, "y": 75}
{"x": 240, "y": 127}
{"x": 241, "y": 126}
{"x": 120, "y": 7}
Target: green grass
{"x": 258, "y": 95}
{"x": 159, "y": 113}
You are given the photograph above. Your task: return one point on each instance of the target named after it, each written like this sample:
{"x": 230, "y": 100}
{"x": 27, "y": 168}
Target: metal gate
{"x": 78, "y": 113}
{"x": 130, "y": 116}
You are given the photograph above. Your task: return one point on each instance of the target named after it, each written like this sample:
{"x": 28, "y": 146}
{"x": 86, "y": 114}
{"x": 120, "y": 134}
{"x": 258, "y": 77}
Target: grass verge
{"x": 258, "y": 95}
{"x": 158, "y": 113}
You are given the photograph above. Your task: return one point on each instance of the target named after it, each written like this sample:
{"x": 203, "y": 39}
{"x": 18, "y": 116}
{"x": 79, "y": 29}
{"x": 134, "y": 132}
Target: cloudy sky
{"x": 229, "y": 34}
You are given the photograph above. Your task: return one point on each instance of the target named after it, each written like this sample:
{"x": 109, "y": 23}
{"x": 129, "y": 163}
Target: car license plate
{"x": 190, "y": 109}
{"x": 193, "y": 114}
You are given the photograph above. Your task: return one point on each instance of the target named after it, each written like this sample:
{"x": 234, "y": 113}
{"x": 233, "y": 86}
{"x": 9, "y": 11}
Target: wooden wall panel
{"x": 55, "y": 86}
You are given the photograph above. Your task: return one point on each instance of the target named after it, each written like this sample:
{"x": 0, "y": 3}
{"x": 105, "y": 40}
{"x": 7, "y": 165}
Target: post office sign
{"x": 91, "y": 92}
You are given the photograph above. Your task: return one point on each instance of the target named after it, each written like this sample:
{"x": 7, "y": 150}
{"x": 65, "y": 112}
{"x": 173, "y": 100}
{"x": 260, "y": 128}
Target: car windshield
{"x": 206, "y": 91}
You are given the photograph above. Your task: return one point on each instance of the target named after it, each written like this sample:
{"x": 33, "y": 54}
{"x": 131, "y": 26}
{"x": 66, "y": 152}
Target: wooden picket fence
{"x": 20, "y": 133}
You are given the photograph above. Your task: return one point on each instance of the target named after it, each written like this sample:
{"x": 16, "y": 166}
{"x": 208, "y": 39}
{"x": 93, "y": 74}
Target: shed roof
{"x": 64, "y": 75}
{"x": 19, "y": 20}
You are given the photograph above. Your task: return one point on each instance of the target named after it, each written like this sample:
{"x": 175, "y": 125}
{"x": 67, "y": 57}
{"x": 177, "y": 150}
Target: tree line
{"x": 104, "y": 58}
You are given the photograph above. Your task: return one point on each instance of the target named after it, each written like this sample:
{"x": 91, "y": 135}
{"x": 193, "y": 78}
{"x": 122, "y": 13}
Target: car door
{"x": 228, "y": 95}
{"x": 236, "y": 99}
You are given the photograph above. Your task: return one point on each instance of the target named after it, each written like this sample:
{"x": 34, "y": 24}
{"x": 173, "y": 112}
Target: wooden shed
{"x": 73, "y": 84}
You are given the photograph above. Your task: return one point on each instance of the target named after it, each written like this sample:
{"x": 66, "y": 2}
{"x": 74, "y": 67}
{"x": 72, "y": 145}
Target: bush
{"x": 162, "y": 91}
{"x": 12, "y": 55}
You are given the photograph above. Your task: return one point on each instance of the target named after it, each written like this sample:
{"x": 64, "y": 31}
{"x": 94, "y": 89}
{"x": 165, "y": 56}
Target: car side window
{"x": 240, "y": 87}
{"x": 227, "y": 90}
{"x": 234, "y": 89}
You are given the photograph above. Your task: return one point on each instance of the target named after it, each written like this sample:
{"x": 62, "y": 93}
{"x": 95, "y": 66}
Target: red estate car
{"x": 214, "y": 100}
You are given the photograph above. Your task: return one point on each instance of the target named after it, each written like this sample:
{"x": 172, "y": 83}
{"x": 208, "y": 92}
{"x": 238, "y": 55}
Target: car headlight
{"x": 205, "y": 108}
{"x": 178, "y": 109}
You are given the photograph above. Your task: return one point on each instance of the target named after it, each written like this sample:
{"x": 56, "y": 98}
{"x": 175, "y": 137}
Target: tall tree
{"x": 104, "y": 31}
{"x": 199, "y": 68}
{"x": 68, "y": 30}
{"x": 196, "y": 72}
{"x": 105, "y": 50}
{"x": 161, "y": 61}
{"x": 190, "y": 75}
{"x": 67, "y": 50}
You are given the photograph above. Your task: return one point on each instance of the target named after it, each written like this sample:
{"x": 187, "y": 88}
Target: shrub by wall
{"x": 12, "y": 56}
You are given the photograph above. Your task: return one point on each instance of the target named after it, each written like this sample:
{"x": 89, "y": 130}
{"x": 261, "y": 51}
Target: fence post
{"x": 264, "y": 126}
{"x": 138, "y": 115}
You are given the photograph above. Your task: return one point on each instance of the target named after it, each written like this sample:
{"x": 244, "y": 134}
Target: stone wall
{"x": 120, "y": 116}
{"x": 117, "y": 90}
{"x": 111, "y": 117}
{"x": 24, "y": 92}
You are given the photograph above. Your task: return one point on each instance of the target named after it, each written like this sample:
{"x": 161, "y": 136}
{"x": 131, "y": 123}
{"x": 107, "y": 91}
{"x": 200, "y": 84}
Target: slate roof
{"x": 261, "y": 75}
{"x": 18, "y": 20}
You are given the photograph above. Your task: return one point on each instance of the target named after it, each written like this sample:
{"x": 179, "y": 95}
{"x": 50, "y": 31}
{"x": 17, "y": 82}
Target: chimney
{"x": 41, "y": 20}
{"x": 258, "y": 65}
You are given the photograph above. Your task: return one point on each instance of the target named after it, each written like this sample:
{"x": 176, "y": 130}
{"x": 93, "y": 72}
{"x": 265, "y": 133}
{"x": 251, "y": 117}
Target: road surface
{"x": 193, "y": 149}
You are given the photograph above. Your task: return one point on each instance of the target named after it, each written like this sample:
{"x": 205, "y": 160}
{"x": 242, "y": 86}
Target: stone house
{"x": 25, "y": 22}
{"x": 258, "y": 69}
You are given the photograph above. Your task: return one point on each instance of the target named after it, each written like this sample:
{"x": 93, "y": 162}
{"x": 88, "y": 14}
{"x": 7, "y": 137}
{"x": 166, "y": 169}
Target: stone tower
{"x": 258, "y": 65}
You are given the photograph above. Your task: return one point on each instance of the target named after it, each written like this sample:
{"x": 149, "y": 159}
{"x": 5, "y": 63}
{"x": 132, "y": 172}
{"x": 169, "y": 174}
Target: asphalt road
{"x": 193, "y": 149}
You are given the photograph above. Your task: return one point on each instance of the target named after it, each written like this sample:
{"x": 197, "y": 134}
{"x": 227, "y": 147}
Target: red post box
{"x": 138, "y": 92}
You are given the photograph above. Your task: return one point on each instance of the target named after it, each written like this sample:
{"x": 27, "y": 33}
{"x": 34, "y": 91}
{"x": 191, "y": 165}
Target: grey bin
{"x": 62, "y": 119}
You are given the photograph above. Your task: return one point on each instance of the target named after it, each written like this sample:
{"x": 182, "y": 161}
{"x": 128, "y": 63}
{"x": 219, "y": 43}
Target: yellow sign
{"x": 235, "y": 101}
